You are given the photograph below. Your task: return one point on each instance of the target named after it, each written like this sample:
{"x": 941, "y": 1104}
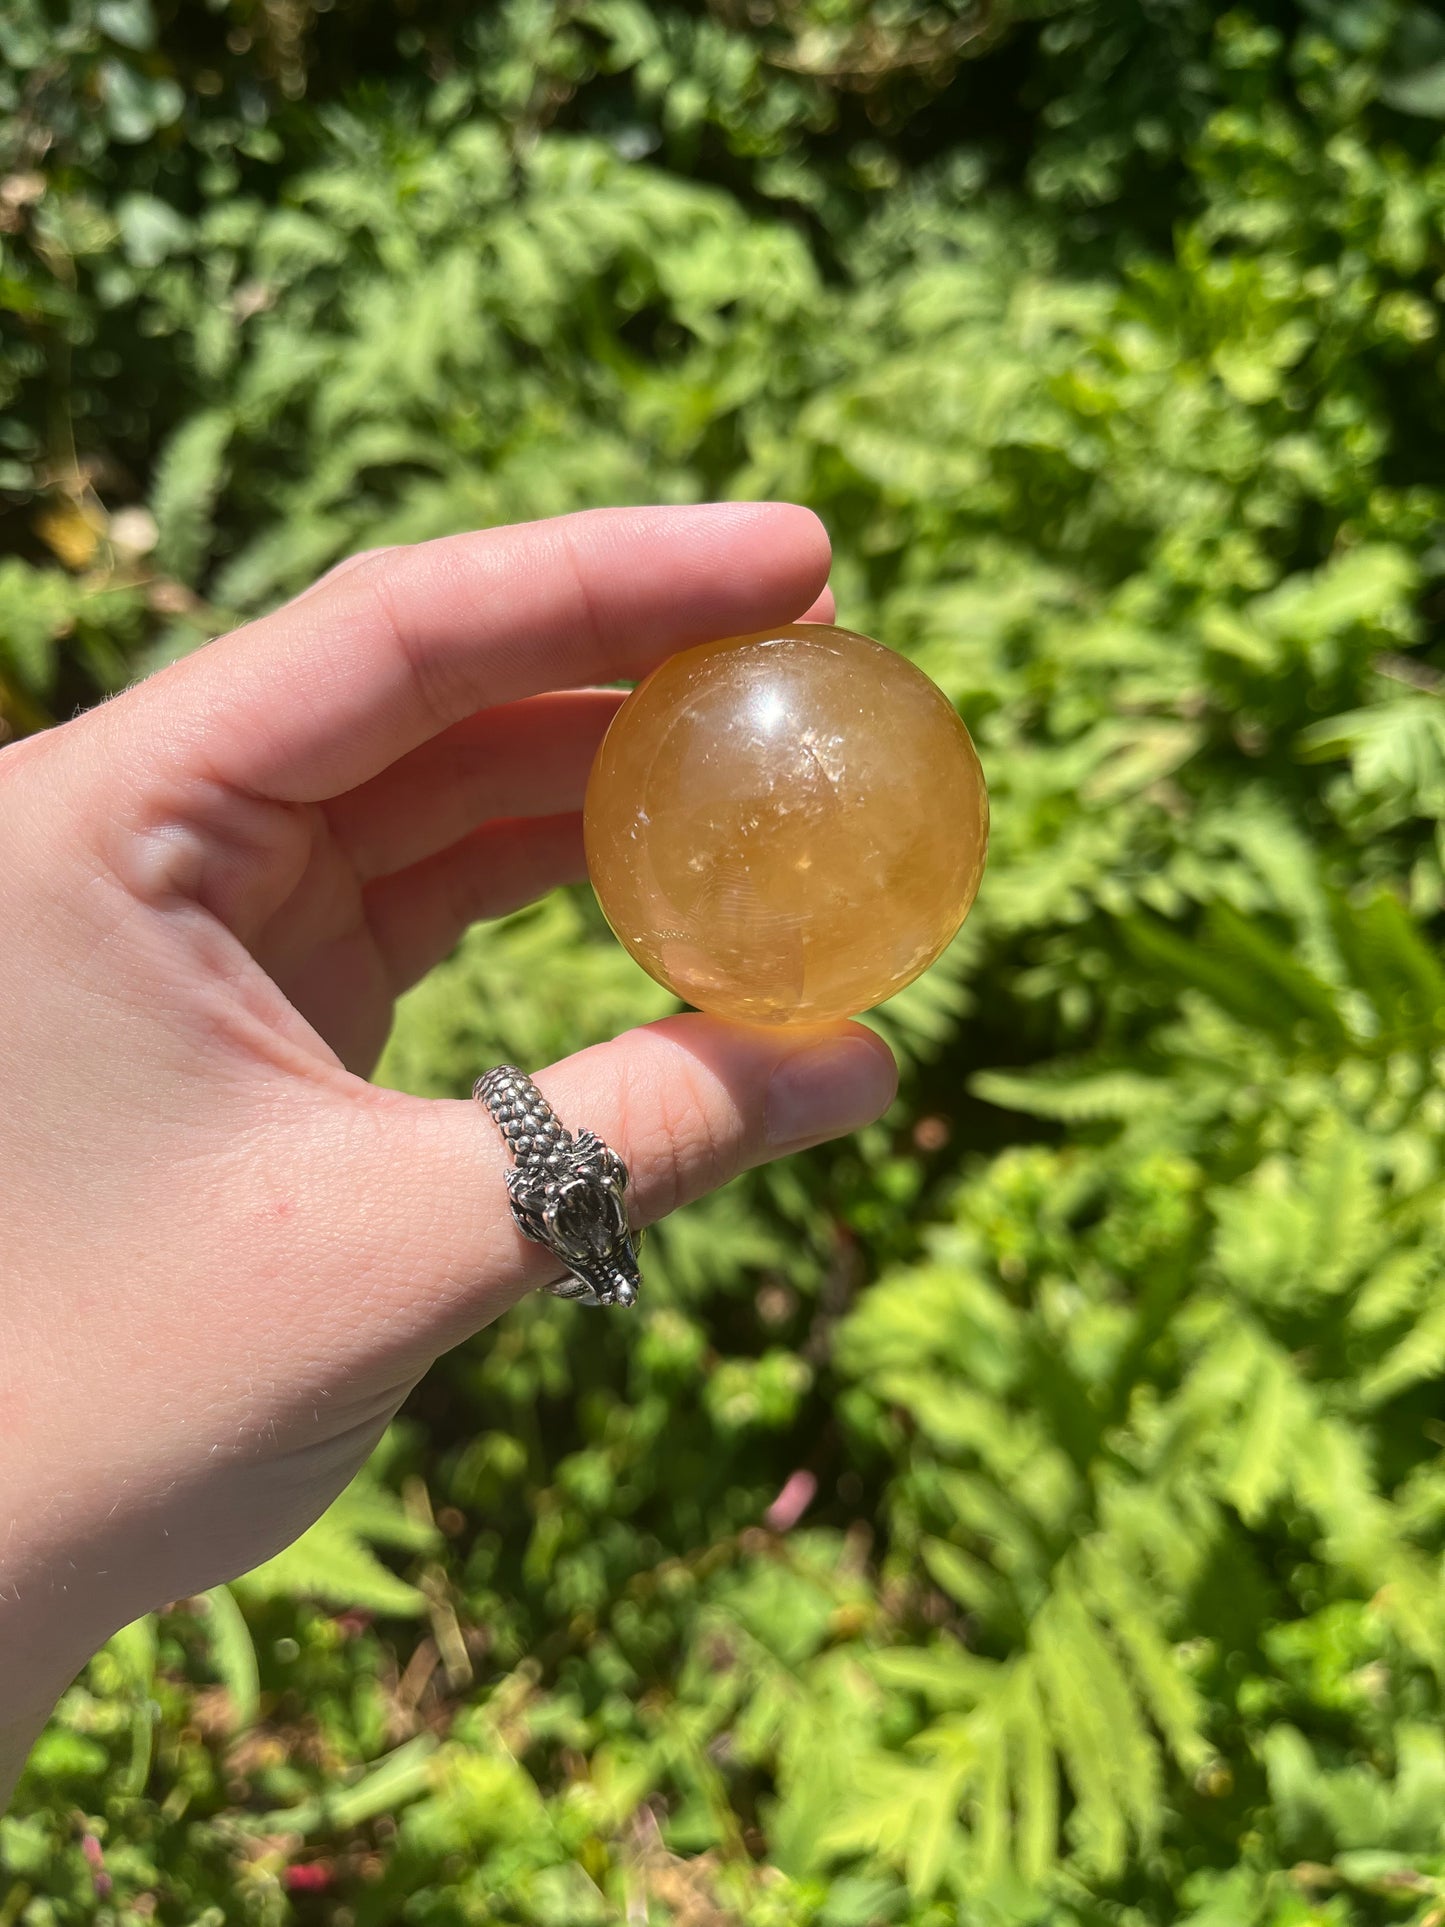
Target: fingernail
{"x": 827, "y": 1090}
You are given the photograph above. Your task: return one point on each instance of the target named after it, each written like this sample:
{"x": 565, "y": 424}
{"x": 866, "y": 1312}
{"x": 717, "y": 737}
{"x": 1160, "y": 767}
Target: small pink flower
{"x": 95, "y": 1859}
{"x": 309, "y": 1877}
{"x": 799, "y": 1490}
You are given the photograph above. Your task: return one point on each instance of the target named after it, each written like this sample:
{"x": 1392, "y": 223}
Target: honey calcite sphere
{"x": 786, "y": 828}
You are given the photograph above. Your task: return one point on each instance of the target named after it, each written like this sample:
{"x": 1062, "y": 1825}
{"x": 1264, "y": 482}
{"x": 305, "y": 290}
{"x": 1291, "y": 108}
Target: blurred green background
{"x": 1031, "y": 1511}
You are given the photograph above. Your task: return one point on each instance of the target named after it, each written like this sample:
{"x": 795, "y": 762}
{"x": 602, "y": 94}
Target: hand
{"x": 226, "y": 1257}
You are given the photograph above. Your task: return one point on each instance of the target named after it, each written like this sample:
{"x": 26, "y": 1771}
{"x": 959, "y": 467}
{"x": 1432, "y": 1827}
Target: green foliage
{"x": 333, "y": 1560}
{"x": 1105, "y": 340}
{"x": 1193, "y": 1352}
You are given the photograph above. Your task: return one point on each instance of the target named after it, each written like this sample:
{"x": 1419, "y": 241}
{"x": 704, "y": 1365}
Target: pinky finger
{"x": 418, "y": 916}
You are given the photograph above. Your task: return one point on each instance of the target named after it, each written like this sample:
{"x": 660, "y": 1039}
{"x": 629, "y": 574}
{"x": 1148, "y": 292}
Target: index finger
{"x": 308, "y": 702}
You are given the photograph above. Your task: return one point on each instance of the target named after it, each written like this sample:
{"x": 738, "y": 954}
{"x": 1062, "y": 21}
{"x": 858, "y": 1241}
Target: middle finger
{"x": 528, "y": 758}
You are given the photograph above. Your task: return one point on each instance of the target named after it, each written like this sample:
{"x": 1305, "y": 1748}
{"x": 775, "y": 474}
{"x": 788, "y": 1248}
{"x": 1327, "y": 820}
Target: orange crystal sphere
{"x": 787, "y": 827}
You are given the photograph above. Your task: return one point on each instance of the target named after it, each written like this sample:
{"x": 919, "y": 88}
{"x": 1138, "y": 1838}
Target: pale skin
{"x": 225, "y": 1258}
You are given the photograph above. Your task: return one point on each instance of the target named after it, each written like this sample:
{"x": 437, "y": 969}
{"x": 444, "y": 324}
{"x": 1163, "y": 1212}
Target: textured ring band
{"x": 565, "y": 1191}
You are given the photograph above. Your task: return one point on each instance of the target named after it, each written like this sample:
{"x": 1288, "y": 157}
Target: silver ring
{"x": 565, "y": 1191}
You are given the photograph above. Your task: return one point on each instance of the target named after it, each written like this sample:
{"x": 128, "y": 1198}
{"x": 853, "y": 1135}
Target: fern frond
{"x": 1396, "y": 968}
{"x": 1171, "y": 1698}
{"x": 332, "y": 1560}
{"x": 1396, "y": 750}
{"x": 1418, "y": 1356}
{"x": 183, "y": 494}
{"x": 1075, "y": 1095}
{"x": 1080, "y": 1730}
{"x": 233, "y": 1655}
{"x": 1276, "y": 1413}
{"x": 1248, "y": 974}
{"x": 1034, "y": 1773}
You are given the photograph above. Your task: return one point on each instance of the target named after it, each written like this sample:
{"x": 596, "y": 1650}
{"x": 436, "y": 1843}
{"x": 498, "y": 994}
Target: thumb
{"x": 687, "y": 1103}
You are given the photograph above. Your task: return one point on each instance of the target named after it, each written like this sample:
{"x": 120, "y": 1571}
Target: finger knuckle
{"x": 436, "y": 690}
{"x": 678, "y": 1144}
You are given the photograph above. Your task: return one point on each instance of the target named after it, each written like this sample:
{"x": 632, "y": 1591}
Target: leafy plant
{"x": 1031, "y": 1510}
